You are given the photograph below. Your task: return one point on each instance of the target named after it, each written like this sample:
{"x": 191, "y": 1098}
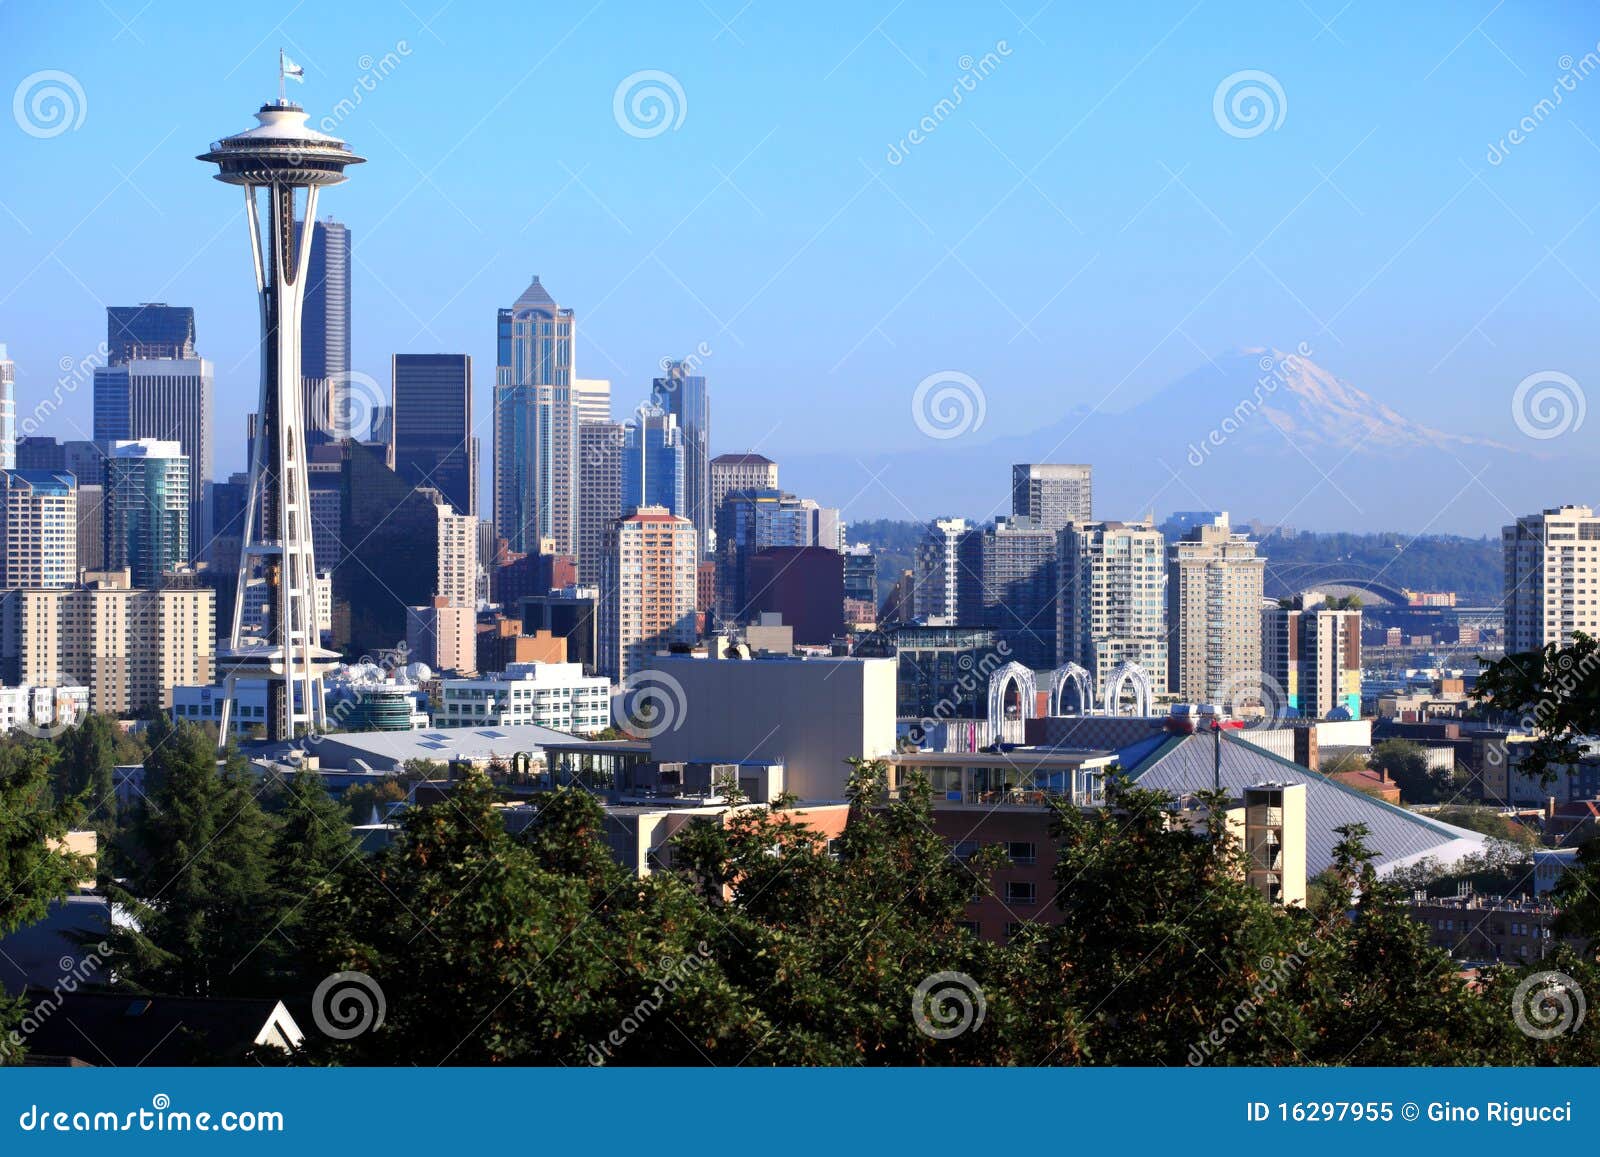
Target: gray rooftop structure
{"x": 388, "y": 750}
{"x": 1188, "y": 763}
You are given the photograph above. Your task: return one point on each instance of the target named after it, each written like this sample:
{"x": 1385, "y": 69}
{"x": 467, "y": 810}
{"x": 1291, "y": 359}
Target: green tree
{"x": 34, "y": 868}
{"x": 197, "y": 882}
{"x": 85, "y": 766}
{"x": 312, "y": 852}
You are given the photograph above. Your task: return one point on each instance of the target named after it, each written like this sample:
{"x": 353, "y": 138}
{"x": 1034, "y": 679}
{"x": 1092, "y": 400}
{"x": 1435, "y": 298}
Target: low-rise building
{"x": 555, "y": 695}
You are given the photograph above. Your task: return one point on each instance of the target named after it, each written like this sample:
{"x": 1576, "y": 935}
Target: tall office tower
{"x": 432, "y": 426}
{"x": 8, "y": 411}
{"x": 129, "y": 647}
{"x": 1214, "y": 579}
{"x": 40, "y": 453}
{"x": 751, "y": 521}
{"x": 1552, "y": 578}
{"x": 535, "y": 425}
{"x": 654, "y": 463}
{"x": 228, "y": 503}
{"x": 325, "y": 332}
{"x": 593, "y": 397}
{"x": 1313, "y": 655}
{"x": 170, "y": 401}
{"x": 85, "y": 461}
{"x": 1011, "y": 588}
{"x": 38, "y": 529}
{"x": 1052, "y": 494}
{"x": 153, "y": 330}
{"x": 600, "y": 450}
{"x": 290, "y": 161}
{"x": 147, "y": 510}
{"x": 1112, "y": 604}
{"x": 684, "y": 396}
{"x": 91, "y": 526}
{"x": 392, "y": 534}
{"x": 649, "y": 581}
{"x": 938, "y": 572}
{"x": 731, "y": 472}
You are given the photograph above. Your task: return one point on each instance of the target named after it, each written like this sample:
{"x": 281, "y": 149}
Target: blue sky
{"x": 1080, "y": 231}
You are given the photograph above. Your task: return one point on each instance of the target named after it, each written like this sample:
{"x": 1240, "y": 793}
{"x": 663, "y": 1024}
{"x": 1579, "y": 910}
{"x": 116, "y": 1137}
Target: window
{"x": 1021, "y": 853}
{"x": 1020, "y": 892}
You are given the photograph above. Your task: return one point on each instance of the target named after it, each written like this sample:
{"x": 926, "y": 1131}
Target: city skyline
{"x": 1293, "y": 235}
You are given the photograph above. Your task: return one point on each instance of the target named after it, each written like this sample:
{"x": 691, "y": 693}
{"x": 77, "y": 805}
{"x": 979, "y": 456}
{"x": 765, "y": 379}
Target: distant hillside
{"x": 1472, "y": 567}
{"x": 1437, "y": 562}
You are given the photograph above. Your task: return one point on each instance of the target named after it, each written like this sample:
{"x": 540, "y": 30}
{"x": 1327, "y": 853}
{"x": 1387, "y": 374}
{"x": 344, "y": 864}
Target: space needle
{"x": 290, "y": 161}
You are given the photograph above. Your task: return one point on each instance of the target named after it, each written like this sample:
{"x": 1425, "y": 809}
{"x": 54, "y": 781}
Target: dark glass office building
{"x": 152, "y": 330}
{"x": 432, "y": 426}
{"x": 390, "y": 533}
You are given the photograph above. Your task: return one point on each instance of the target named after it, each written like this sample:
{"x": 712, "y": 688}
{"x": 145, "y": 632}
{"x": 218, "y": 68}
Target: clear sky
{"x": 1080, "y": 230}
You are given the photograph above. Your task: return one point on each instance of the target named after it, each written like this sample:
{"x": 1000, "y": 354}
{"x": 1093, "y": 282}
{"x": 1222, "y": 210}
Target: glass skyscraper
{"x": 683, "y": 394}
{"x": 147, "y": 509}
{"x": 151, "y": 330}
{"x": 432, "y": 426}
{"x": 325, "y": 333}
{"x": 8, "y": 412}
{"x": 535, "y": 425}
{"x": 653, "y": 462}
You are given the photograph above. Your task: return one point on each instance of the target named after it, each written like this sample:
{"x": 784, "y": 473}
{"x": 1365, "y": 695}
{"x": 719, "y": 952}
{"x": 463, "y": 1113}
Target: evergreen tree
{"x": 87, "y": 757}
{"x": 197, "y": 883}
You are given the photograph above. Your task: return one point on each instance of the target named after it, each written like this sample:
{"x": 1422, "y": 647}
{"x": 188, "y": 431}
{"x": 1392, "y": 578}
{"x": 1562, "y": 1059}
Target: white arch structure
{"x": 1080, "y": 679}
{"x": 1122, "y": 675}
{"x": 1027, "y": 693}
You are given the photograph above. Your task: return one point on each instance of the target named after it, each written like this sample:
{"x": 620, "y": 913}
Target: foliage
{"x": 1408, "y": 767}
{"x": 1553, "y": 693}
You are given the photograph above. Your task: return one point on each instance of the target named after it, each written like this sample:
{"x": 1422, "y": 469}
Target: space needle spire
{"x": 283, "y": 157}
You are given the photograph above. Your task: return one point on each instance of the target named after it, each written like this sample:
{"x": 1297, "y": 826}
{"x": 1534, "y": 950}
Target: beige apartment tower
{"x": 1552, "y": 577}
{"x": 648, "y": 594}
{"x": 1214, "y": 584}
{"x": 129, "y": 647}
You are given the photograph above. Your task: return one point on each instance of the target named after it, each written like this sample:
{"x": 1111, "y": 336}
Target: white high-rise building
{"x": 600, "y": 449}
{"x": 8, "y": 411}
{"x": 1052, "y": 494}
{"x": 554, "y": 695}
{"x": 535, "y": 425}
{"x": 1552, "y": 577}
{"x": 1113, "y": 599}
{"x": 740, "y": 472}
{"x": 938, "y": 572}
{"x": 593, "y": 399}
{"x": 1214, "y": 583}
{"x": 38, "y": 529}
